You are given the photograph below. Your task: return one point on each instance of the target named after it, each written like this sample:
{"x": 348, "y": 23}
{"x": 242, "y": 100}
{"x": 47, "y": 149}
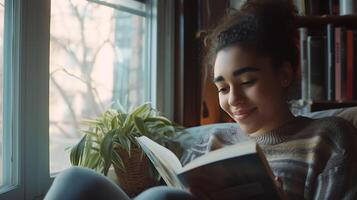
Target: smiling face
{"x": 250, "y": 90}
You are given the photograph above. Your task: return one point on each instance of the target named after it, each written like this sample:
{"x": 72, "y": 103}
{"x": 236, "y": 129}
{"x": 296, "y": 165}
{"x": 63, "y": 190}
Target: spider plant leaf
{"x": 106, "y": 148}
{"x": 141, "y": 110}
{"x": 89, "y": 133}
{"x": 121, "y": 118}
{"x": 114, "y": 122}
{"x": 158, "y": 119}
{"x": 77, "y": 151}
{"x": 127, "y": 125}
{"x": 124, "y": 142}
{"x": 117, "y": 161}
{"x": 93, "y": 160}
{"x": 140, "y": 125}
{"x": 167, "y": 130}
{"x": 86, "y": 158}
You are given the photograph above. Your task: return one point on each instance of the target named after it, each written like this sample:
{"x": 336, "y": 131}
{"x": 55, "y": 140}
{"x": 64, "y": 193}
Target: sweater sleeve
{"x": 339, "y": 182}
{"x": 339, "y": 179}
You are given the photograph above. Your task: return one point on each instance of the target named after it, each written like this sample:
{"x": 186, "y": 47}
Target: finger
{"x": 278, "y": 182}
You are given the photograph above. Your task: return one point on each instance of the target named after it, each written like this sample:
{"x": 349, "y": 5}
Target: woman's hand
{"x": 279, "y": 185}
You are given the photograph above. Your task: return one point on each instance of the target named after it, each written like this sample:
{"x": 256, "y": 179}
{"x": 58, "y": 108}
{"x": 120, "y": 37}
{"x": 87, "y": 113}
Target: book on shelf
{"x": 316, "y": 67}
{"x": 326, "y": 7}
{"x": 303, "y": 64}
{"x": 300, "y": 6}
{"x": 340, "y": 64}
{"x": 350, "y": 34}
{"x": 347, "y": 7}
{"x": 354, "y": 70}
{"x": 330, "y": 62}
{"x": 333, "y": 6}
{"x": 316, "y": 7}
{"x": 239, "y": 170}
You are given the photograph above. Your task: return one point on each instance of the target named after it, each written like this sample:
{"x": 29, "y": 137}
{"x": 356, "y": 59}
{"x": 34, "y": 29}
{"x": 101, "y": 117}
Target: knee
{"x": 164, "y": 192}
{"x": 78, "y": 177}
{"x": 74, "y": 174}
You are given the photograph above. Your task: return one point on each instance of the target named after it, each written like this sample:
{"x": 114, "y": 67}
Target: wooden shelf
{"x": 323, "y": 105}
{"x": 320, "y": 22}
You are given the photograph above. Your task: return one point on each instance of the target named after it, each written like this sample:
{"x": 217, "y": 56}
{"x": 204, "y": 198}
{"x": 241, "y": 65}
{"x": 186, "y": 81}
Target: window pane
{"x": 1, "y": 87}
{"x": 98, "y": 56}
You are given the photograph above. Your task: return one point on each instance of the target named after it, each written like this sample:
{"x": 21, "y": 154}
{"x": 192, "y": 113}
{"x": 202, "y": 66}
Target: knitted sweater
{"x": 316, "y": 159}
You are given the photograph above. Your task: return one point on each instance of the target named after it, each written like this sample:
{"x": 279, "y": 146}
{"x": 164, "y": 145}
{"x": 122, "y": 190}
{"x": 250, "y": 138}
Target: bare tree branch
{"x": 67, "y": 101}
{"x": 67, "y": 49}
{"x": 95, "y": 54}
{"x": 85, "y": 82}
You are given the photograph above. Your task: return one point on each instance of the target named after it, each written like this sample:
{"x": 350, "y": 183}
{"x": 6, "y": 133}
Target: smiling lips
{"x": 242, "y": 114}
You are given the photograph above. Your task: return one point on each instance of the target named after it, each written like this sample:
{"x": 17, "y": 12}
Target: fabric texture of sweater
{"x": 315, "y": 158}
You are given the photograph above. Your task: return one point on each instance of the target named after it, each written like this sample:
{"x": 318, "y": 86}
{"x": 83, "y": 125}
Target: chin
{"x": 248, "y": 129}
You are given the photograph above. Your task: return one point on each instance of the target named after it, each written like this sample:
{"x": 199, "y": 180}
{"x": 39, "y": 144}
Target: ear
{"x": 286, "y": 75}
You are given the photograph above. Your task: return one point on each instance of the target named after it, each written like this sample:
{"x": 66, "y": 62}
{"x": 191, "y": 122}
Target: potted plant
{"x": 109, "y": 141}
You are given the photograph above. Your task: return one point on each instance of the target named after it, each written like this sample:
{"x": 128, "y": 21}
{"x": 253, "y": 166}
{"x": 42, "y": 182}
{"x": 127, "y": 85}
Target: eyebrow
{"x": 237, "y": 72}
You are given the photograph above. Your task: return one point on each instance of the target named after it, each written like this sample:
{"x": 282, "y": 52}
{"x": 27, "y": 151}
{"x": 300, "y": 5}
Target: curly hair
{"x": 264, "y": 26}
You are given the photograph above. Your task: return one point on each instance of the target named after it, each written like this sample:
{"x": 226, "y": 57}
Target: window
{"x": 98, "y": 56}
{"x": 9, "y": 143}
{"x": 2, "y": 16}
{"x": 94, "y": 53}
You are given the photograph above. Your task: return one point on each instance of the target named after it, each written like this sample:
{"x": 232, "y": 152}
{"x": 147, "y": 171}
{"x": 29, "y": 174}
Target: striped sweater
{"x": 316, "y": 159}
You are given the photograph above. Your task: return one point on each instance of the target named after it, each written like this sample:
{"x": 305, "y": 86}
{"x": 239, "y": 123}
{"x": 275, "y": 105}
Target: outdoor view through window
{"x": 98, "y": 56}
{"x": 1, "y": 86}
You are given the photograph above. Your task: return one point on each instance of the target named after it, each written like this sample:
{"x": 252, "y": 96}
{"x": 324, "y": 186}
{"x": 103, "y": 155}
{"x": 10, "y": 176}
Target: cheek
{"x": 223, "y": 102}
{"x": 268, "y": 96}
{"x": 262, "y": 94}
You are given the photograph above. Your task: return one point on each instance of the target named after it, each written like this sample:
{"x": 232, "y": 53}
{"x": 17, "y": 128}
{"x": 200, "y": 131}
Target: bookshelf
{"x": 316, "y": 22}
{"x": 319, "y": 24}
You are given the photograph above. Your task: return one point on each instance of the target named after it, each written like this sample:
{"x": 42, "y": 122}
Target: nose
{"x": 236, "y": 97}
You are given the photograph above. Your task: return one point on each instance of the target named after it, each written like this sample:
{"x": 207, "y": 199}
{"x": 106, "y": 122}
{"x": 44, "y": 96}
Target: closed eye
{"x": 222, "y": 90}
{"x": 248, "y": 82}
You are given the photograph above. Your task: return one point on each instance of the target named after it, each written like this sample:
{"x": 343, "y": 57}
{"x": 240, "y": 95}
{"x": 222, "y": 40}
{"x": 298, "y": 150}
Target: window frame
{"x": 12, "y": 188}
{"x": 30, "y": 86}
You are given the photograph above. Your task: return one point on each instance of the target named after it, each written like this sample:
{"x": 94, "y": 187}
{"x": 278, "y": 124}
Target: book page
{"x": 238, "y": 177}
{"x": 239, "y": 149}
{"x": 165, "y": 162}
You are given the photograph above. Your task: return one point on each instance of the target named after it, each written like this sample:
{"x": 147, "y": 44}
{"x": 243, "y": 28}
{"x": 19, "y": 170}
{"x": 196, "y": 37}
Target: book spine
{"x": 316, "y": 67}
{"x": 343, "y": 57}
{"x": 330, "y": 63}
{"x": 300, "y": 6}
{"x": 348, "y": 7}
{"x": 338, "y": 80}
{"x": 313, "y": 7}
{"x": 350, "y": 62}
{"x": 333, "y": 7}
{"x": 303, "y": 64}
{"x": 355, "y": 65}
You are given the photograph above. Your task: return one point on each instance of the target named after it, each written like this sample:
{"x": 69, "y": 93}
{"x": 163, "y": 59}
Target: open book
{"x": 239, "y": 171}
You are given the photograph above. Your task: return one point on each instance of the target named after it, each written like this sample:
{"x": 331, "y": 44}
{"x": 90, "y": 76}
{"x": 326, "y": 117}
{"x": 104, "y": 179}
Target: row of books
{"x": 328, "y": 64}
{"x": 326, "y": 7}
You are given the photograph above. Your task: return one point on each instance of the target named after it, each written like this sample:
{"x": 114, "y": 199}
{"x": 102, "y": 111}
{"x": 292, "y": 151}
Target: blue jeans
{"x": 79, "y": 183}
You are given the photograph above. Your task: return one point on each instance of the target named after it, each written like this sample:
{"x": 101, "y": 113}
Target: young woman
{"x": 254, "y": 57}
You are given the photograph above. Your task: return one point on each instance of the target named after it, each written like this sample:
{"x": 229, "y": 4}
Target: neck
{"x": 281, "y": 118}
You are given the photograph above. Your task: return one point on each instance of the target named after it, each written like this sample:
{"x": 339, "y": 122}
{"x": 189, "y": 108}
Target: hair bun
{"x": 266, "y": 26}
{"x": 279, "y": 7}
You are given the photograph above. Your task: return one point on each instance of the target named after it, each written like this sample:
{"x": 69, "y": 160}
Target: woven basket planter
{"x": 136, "y": 177}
